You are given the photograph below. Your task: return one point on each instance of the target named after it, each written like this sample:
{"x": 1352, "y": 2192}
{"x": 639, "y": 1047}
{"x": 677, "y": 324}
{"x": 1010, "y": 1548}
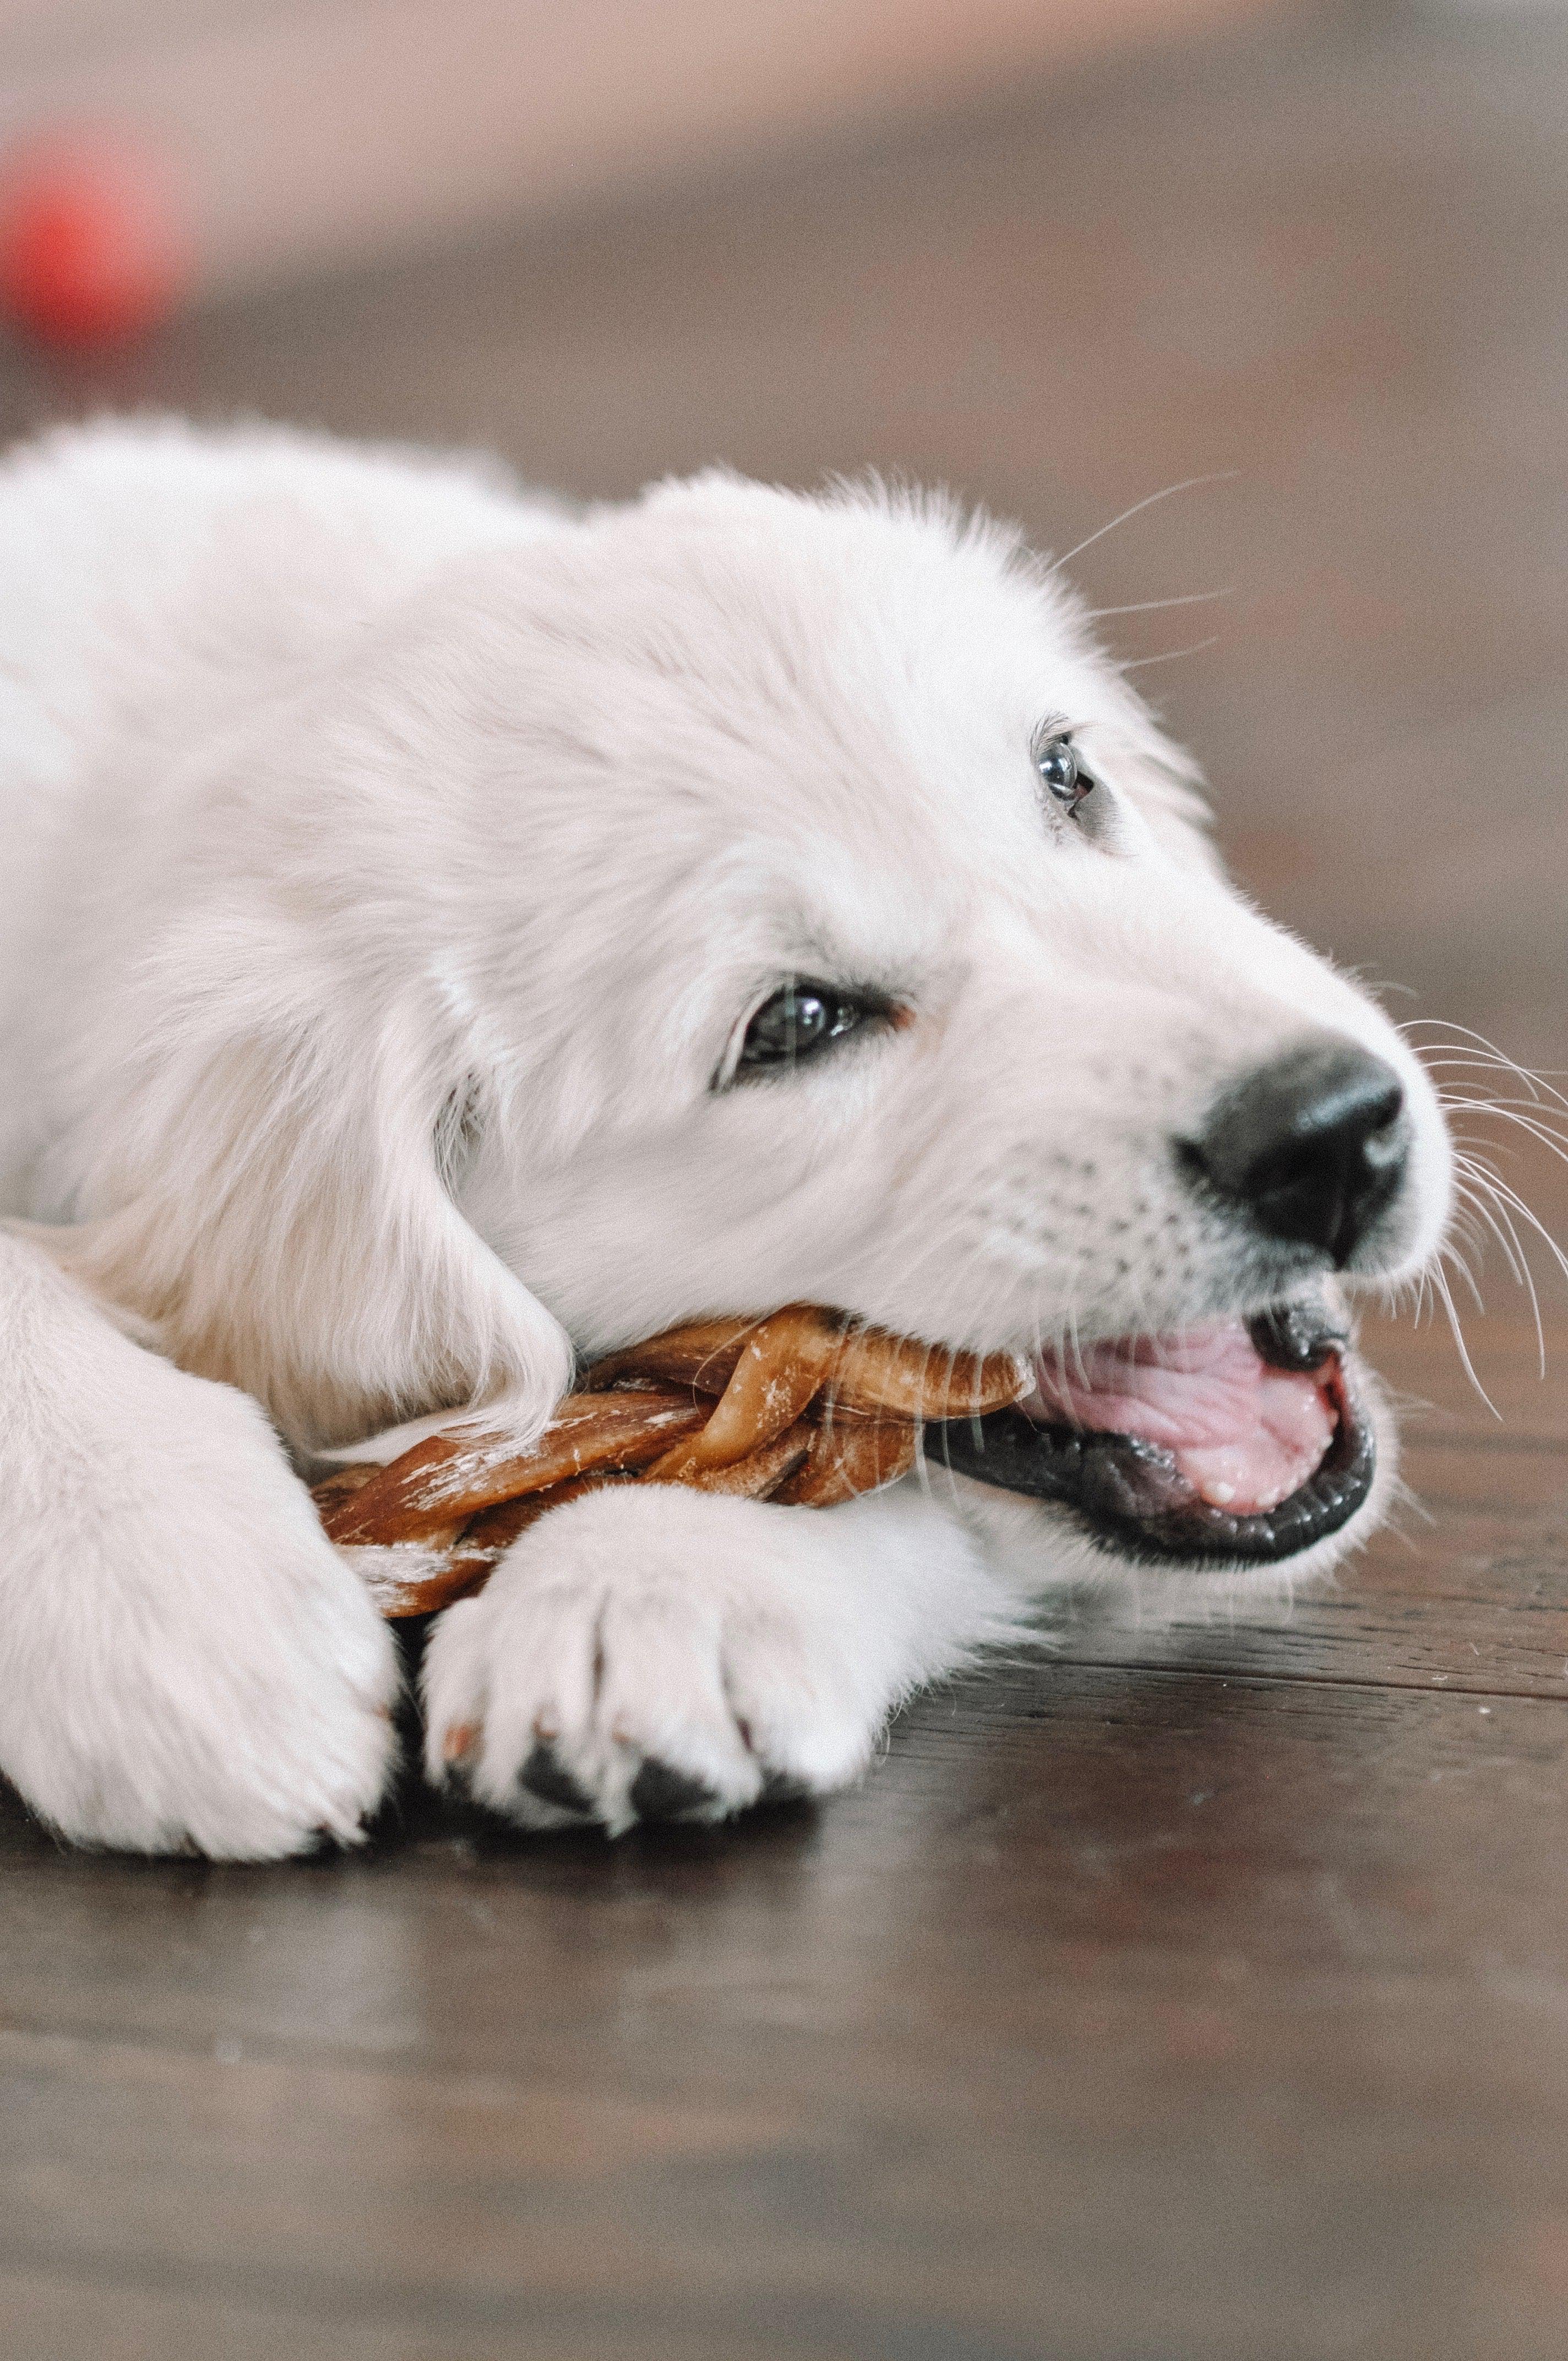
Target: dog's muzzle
{"x": 1236, "y": 1445}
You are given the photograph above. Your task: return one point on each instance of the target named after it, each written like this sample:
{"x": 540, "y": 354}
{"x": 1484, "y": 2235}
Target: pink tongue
{"x": 1245, "y": 1436}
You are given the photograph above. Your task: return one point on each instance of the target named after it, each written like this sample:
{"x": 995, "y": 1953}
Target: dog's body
{"x": 404, "y": 880}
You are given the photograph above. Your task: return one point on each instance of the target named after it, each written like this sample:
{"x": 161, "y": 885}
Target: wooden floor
{"x": 1199, "y": 1995}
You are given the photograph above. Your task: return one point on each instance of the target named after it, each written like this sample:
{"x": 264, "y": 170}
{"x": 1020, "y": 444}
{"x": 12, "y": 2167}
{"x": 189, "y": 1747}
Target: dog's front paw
{"x": 186, "y": 1664}
{"x": 653, "y": 1654}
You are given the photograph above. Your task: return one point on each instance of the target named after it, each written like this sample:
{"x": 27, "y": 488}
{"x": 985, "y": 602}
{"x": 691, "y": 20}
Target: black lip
{"x": 1295, "y": 1335}
{"x": 1128, "y": 1495}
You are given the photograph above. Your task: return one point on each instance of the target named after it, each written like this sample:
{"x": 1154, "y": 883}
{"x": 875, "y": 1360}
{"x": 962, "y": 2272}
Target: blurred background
{"x": 1061, "y": 254}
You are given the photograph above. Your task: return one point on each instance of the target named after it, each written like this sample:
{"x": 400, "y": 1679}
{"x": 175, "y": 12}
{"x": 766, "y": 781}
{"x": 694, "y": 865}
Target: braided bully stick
{"x": 803, "y": 1406}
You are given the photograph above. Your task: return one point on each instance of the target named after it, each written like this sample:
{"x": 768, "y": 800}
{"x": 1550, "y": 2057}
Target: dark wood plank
{"x": 1123, "y": 2013}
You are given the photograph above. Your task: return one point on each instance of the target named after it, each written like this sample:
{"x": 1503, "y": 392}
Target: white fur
{"x": 392, "y": 862}
{"x": 184, "y": 1660}
{"x": 735, "y": 1643}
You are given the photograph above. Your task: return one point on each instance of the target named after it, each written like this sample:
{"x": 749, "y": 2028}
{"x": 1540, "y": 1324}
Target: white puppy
{"x": 439, "y": 934}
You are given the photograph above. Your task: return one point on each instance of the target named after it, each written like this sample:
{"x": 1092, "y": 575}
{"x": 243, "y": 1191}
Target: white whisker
{"x": 1188, "y": 484}
{"x": 1446, "y": 1296}
{"x": 1151, "y": 606}
{"x": 1140, "y": 664}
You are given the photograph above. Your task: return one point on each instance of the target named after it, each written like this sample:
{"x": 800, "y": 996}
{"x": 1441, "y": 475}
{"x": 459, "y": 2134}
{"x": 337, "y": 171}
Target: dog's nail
{"x": 546, "y": 1726}
{"x": 545, "y": 1775}
{"x": 460, "y": 1744}
{"x": 659, "y": 1793}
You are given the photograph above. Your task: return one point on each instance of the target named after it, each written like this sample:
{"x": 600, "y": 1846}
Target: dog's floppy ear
{"x": 275, "y": 1214}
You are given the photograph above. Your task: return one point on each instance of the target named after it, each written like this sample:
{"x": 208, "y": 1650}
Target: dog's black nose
{"x": 1314, "y": 1145}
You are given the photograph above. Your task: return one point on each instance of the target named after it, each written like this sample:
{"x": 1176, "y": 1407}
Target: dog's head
{"x": 782, "y": 898}
{"x": 852, "y": 936}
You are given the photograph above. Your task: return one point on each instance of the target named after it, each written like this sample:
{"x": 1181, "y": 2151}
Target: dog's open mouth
{"x": 1238, "y": 1440}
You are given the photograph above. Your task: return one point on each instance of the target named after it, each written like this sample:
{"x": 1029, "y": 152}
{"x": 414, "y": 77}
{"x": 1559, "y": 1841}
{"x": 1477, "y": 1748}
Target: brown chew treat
{"x": 802, "y": 1406}
{"x": 449, "y": 1478}
{"x": 849, "y": 1456}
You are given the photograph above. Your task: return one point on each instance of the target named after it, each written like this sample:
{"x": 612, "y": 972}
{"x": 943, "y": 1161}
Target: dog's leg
{"x": 185, "y": 1662}
{"x": 648, "y": 1653}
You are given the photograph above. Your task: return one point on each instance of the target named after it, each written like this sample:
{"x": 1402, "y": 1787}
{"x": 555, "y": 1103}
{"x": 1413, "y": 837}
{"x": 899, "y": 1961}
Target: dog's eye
{"x": 1061, "y": 771}
{"x": 800, "y": 1019}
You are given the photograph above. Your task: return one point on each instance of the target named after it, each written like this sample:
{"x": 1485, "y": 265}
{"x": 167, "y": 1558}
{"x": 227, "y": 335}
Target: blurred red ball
{"x": 91, "y": 249}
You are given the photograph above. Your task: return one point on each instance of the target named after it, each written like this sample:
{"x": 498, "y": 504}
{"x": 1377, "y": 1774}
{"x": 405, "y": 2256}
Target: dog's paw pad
{"x": 661, "y": 1793}
{"x": 545, "y": 1776}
